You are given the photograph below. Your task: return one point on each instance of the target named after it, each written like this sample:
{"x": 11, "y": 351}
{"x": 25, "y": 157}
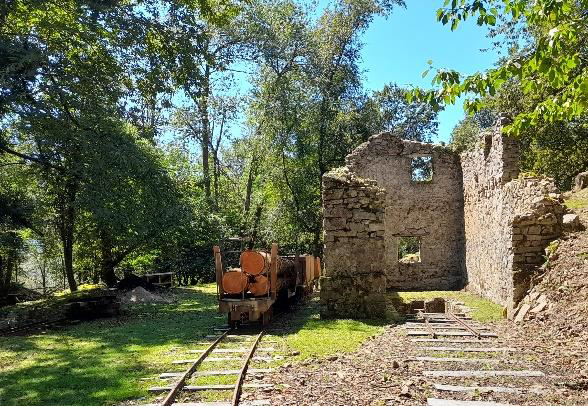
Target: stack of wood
{"x": 253, "y": 276}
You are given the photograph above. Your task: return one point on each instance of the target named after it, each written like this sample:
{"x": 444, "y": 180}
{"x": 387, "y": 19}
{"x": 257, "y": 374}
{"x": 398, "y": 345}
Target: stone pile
{"x": 532, "y": 306}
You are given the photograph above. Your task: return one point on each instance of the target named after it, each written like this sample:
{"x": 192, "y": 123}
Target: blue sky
{"x": 397, "y": 50}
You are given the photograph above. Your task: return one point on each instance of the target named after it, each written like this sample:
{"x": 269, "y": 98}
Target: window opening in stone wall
{"x": 422, "y": 169}
{"x": 409, "y": 250}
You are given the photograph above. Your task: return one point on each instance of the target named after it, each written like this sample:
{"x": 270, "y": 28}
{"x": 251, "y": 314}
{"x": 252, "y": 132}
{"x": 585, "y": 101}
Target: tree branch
{"x": 26, "y": 157}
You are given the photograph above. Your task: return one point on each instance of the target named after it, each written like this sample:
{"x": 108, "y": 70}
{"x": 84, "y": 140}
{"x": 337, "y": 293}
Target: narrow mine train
{"x": 262, "y": 281}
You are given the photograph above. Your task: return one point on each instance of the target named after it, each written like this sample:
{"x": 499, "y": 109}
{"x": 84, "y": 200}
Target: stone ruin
{"x": 475, "y": 222}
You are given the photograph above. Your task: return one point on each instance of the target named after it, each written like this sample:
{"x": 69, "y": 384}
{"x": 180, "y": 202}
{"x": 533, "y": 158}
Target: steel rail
{"x": 169, "y": 399}
{"x": 476, "y": 333}
{"x": 238, "y": 386}
{"x": 429, "y": 328}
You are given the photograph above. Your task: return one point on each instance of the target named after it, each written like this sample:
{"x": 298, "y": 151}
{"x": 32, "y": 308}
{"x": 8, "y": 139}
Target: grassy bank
{"x": 107, "y": 361}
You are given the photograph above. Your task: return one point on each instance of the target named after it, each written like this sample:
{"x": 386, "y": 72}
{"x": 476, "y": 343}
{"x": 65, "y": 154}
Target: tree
{"x": 466, "y": 133}
{"x": 221, "y": 113}
{"x": 388, "y": 110}
{"x": 16, "y": 216}
{"x": 306, "y": 104}
{"x": 72, "y": 66}
{"x": 130, "y": 199}
{"x": 554, "y": 66}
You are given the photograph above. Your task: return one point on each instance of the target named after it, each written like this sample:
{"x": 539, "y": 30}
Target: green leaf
{"x": 440, "y": 13}
{"x": 454, "y": 24}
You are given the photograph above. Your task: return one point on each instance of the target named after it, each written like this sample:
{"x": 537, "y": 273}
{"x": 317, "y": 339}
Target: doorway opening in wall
{"x": 421, "y": 168}
{"x": 409, "y": 250}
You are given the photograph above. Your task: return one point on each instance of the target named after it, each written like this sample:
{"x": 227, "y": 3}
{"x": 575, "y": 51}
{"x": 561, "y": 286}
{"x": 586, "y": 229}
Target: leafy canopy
{"x": 554, "y": 65}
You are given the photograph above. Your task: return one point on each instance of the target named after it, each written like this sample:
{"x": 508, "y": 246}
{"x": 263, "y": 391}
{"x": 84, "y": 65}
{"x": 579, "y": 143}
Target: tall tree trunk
{"x": 8, "y": 266}
{"x": 44, "y": 276}
{"x": 205, "y": 122}
{"x": 249, "y": 189}
{"x": 67, "y": 228}
{"x": 216, "y": 176}
{"x": 217, "y": 162}
{"x": 255, "y": 226}
{"x": 107, "y": 261}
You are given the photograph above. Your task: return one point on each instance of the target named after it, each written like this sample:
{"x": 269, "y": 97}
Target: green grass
{"x": 108, "y": 361}
{"x": 579, "y": 200}
{"x": 576, "y": 203}
{"x": 104, "y": 362}
{"x": 483, "y": 310}
{"x": 313, "y": 337}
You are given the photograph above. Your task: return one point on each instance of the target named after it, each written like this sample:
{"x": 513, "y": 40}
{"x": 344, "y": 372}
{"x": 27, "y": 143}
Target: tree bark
{"x": 8, "y": 266}
{"x": 67, "y": 228}
{"x": 248, "y": 191}
{"x": 205, "y": 122}
{"x": 107, "y": 261}
{"x": 216, "y": 177}
{"x": 255, "y": 226}
{"x": 44, "y": 275}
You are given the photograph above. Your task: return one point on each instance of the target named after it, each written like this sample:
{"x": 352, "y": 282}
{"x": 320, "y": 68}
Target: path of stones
{"x": 406, "y": 366}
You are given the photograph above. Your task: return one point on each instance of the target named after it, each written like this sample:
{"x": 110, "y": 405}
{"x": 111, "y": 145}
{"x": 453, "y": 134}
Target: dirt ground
{"x": 554, "y": 342}
{"x": 381, "y": 372}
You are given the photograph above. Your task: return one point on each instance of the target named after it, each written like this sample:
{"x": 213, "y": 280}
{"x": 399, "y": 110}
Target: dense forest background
{"x": 127, "y": 143}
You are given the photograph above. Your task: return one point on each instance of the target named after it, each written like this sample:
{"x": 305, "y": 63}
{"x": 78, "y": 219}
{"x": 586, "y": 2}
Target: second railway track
{"x": 180, "y": 389}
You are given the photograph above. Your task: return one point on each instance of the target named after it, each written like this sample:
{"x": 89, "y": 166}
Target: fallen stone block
{"x": 581, "y": 181}
{"x": 436, "y": 305}
{"x": 523, "y": 310}
{"x": 571, "y": 223}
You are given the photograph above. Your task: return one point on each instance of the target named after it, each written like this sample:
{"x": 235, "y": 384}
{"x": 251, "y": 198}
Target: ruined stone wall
{"x": 480, "y": 223}
{"x": 508, "y": 221}
{"x": 353, "y": 283}
{"x": 431, "y": 210}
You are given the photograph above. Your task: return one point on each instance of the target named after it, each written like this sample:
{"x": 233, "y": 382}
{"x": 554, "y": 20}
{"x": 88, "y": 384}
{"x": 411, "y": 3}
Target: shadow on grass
{"x": 102, "y": 362}
{"x": 302, "y": 330}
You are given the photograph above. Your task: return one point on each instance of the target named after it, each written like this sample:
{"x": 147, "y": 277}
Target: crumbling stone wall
{"x": 432, "y": 211}
{"x": 509, "y": 220}
{"x": 481, "y": 224}
{"x": 353, "y": 283}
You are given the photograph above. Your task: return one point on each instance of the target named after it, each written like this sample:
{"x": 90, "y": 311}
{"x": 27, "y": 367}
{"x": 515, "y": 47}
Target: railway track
{"x": 464, "y": 358}
{"x": 181, "y": 388}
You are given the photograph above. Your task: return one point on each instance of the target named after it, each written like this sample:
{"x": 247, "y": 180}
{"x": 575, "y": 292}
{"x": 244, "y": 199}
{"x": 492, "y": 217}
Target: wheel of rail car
{"x": 266, "y": 317}
{"x": 232, "y": 323}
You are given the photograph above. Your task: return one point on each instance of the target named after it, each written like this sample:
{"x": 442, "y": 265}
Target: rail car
{"x": 262, "y": 281}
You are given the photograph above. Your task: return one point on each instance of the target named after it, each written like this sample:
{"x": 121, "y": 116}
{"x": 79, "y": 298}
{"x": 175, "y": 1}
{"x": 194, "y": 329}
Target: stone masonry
{"x": 354, "y": 246}
{"x": 481, "y": 225}
{"x": 432, "y": 211}
{"x": 509, "y": 220}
